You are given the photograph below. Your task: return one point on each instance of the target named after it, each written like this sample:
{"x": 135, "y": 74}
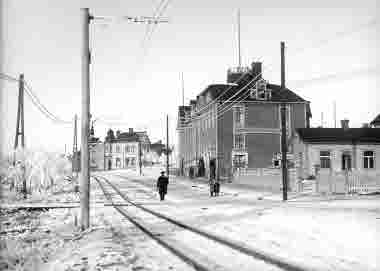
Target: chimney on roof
{"x": 130, "y": 130}
{"x": 344, "y": 123}
{"x": 257, "y": 69}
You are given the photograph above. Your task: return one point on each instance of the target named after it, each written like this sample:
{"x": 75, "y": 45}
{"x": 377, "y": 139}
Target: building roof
{"x": 339, "y": 135}
{"x": 278, "y": 94}
{"x": 376, "y": 120}
{"x": 129, "y": 137}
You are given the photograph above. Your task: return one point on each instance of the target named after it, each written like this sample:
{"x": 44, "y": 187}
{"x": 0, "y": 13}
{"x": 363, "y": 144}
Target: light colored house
{"x": 332, "y": 154}
{"x": 126, "y": 150}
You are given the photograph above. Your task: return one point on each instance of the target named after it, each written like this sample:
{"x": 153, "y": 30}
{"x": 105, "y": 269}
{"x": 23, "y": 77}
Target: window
{"x": 239, "y": 161}
{"x": 369, "y": 159}
{"x": 239, "y": 116}
{"x": 325, "y": 159}
{"x": 118, "y": 163}
{"x": 117, "y": 148}
{"x": 260, "y": 91}
{"x": 239, "y": 141}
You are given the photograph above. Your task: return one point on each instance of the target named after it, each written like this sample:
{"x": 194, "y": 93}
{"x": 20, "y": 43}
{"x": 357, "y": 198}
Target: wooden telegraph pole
{"x": 85, "y": 161}
{"x": 20, "y": 113}
{"x": 283, "y": 130}
{"x": 20, "y": 128}
{"x": 167, "y": 145}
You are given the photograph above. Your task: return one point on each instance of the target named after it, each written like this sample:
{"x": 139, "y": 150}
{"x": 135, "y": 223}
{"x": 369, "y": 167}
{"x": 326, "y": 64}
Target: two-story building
{"x": 126, "y": 150}
{"x": 237, "y": 124}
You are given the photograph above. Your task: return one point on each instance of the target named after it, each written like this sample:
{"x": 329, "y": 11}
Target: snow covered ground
{"x": 322, "y": 233}
{"x": 336, "y": 233}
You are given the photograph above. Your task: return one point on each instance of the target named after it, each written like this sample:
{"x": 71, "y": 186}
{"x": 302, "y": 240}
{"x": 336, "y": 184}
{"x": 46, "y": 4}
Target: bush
{"x": 41, "y": 170}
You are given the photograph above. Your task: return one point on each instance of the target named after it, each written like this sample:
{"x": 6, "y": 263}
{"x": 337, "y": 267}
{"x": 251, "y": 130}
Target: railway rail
{"x": 189, "y": 255}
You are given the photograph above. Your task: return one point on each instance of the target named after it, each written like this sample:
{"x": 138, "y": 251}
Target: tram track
{"x": 189, "y": 255}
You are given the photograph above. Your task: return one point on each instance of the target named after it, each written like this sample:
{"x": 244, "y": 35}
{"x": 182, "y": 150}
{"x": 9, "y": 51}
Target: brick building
{"x": 126, "y": 150}
{"x": 239, "y": 129}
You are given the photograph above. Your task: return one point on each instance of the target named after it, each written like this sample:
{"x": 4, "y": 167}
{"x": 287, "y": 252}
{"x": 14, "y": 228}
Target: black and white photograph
{"x": 178, "y": 135}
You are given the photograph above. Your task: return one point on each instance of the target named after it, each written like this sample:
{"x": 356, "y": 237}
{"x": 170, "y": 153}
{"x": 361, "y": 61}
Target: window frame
{"x": 241, "y": 109}
{"x": 325, "y": 157}
{"x": 243, "y": 141}
{"x": 368, "y": 157}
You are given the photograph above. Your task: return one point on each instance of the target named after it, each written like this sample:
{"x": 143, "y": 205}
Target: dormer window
{"x": 260, "y": 91}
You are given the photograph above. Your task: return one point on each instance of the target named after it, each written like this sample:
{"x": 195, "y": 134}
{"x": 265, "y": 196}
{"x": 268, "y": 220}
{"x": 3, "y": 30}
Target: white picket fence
{"x": 363, "y": 183}
{"x": 356, "y": 181}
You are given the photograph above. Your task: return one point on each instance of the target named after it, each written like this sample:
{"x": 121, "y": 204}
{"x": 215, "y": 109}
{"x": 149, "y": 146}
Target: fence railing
{"x": 355, "y": 181}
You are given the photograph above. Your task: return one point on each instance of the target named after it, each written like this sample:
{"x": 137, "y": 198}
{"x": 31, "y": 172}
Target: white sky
{"x": 42, "y": 39}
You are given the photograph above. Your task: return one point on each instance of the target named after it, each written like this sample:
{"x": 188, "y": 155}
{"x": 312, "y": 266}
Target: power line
{"x": 162, "y": 6}
{"x": 37, "y": 102}
{"x": 320, "y": 43}
{"x": 8, "y": 77}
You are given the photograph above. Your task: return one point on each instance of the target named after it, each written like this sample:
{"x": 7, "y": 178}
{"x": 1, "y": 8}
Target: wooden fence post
{"x": 330, "y": 181}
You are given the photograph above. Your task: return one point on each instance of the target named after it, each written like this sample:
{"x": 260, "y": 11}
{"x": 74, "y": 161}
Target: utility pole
{"x": 85, "y": 161}
{"x": 322, "y": 119}
{"x": 167, "y": 145}
{"x": 239, "y": 51}
{"x": 334, "y": 114}
{"x": 284, "y": 163}
{"x": 75, "y": 161}
{"x": 20, "y": 113}
{"x": 140, "y": 162}
{"x": 20, "y": 129}
{"x": 85, "y": 63}
{"x": 183, "y": 89}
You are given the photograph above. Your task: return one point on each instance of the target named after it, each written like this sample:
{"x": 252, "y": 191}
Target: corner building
{"x": 237, "y": 125}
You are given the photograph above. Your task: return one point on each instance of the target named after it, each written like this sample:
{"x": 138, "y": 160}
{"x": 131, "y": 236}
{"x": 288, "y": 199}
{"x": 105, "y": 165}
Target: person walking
{"x": 162, "y": 185}
{"x": 212, "y": 186}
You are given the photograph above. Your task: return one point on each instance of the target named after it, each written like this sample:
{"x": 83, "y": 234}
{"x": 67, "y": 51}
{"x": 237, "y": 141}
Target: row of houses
{"x": 237, "y": 125}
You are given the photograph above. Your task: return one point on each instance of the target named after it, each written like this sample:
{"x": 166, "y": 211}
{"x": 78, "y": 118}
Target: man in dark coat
{"x": 162, "y": 185}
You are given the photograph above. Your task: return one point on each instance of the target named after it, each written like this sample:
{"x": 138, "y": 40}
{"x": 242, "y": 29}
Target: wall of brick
{"x": 298, "y": 115}
{"x": 225, "y": 140}
{"x": 261, "y": 115}
{"x": 261, "y": 149}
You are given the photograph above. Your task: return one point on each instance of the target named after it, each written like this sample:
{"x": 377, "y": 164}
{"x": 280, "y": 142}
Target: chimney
{"x": 344, "y": 123}
{"x": 257, "y": 69}
{"x": 130, "y": 130}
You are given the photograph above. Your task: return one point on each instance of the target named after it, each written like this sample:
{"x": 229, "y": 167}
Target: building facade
{"x": 237, "y": 124}
{"x": 337, "y": 149}
{"x": 126, "y": 150}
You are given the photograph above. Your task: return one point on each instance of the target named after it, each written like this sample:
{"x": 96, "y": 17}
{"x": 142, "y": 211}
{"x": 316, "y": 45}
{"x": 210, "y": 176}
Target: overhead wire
{"x": 293, "y": 52}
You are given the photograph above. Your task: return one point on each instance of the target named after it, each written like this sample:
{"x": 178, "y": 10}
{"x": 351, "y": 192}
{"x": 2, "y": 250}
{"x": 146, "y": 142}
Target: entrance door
{"x": 346, "y": 161}
{"x": 212, "y": 168}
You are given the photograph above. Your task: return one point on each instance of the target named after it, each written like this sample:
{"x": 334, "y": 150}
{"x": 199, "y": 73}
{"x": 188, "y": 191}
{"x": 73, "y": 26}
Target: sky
{"x": 331, "y": 55}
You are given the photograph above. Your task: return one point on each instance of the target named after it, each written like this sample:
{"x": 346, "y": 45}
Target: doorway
{"x": 346, "y": 161}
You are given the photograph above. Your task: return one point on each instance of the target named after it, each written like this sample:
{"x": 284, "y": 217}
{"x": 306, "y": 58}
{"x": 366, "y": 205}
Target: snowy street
{"x": 339, "y": 234}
